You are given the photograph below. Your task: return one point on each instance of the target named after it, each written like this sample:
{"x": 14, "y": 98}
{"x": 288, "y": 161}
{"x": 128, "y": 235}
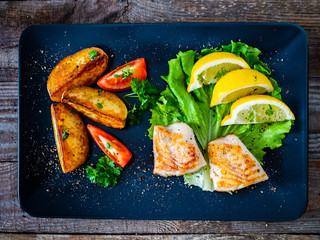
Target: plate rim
{"x": 112, "y": 25}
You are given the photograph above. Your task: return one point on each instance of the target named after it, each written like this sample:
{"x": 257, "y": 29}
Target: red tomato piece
{"x": 111, "y": 146}
{"x": 119, "y": 79}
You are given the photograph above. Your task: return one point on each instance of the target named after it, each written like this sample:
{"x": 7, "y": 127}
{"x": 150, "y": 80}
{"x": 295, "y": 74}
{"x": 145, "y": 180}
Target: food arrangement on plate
{"x": 212, "y": 124}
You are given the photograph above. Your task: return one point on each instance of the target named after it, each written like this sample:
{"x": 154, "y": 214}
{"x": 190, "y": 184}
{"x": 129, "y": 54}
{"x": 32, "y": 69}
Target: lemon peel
{"x": 206, "y": 69}
{"x": 257, "y": 109}
{"x": 240, "y": 83}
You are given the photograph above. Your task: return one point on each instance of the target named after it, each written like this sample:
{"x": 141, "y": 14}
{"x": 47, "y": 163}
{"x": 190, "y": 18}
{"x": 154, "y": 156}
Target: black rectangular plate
{"x": 44, "y": 191}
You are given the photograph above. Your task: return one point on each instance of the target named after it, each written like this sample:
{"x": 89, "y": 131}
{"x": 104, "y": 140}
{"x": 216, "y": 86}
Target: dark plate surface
{"x": 44, "y": 191}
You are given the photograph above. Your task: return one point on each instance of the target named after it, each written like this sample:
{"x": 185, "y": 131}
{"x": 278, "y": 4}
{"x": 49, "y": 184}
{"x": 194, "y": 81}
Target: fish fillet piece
{"x": 176, "y": 151}
{"x": 232, "y": 166}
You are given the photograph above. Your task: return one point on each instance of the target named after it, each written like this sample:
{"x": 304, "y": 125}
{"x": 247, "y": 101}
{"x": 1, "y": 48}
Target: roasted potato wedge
{"x": 81, "y": 68}
{"x": 71, "y": 136}
{"x": 98, "y": 105}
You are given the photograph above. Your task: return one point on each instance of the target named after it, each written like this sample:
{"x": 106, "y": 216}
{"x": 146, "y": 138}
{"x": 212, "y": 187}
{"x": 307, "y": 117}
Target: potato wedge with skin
{"x": 81, "y": 68}
{"x": 98, "y": 105}
{"x": 71, "y": 136}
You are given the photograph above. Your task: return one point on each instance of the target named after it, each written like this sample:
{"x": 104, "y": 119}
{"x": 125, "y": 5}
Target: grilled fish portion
{"x": 232, "y": 166}
{"x": 176, "y": 151}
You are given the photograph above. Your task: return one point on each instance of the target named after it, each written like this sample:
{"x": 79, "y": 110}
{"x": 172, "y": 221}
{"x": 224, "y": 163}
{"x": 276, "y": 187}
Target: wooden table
{"x": 16, "y": 16}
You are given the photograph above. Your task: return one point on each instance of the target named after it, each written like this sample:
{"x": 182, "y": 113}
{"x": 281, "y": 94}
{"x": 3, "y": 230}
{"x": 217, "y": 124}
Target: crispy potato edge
{"x": 57, "y": 135}
{"x": 57, "y": 83}
{"x": 98, "y": 116}
{"x": 93, "y": 113}
{"x": 65, "y": 150}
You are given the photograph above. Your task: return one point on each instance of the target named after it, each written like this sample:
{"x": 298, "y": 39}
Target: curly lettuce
{"x": 177, "y": 105}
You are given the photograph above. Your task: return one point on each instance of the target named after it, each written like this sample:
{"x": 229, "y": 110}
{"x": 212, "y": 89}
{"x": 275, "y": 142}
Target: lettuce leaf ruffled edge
{"x": 177, "y": 105}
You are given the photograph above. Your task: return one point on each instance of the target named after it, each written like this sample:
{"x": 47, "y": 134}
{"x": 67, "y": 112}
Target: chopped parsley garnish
{"x": 269, "y": 111}
{"x": 105, "y": 173}
{"x": 99, "y": 92}
{"x": 73, "y": 111}
{"x": 65, "y": 134}
{"x": 135, "y": 115}
{"x": 126, "y": 73}
{"x": 251, "y": 116}
{"x": 220, "y": 74}
{"x": 99, "y": 105}
{"x": 108, "y": 146}
{"x": 148, "y": 96}
{"x": 93, "y": 54}
{"x": 200, "y": 78}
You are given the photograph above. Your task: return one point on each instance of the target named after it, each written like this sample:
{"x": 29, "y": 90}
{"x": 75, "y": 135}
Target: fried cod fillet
{"x": 232, "y": 166}
{"x": 176, "y": 151}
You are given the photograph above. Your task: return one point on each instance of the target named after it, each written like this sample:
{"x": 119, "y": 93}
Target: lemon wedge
{"x": 206, "y": 69}
{"x": 240, "y": 83}
{"x": 257, "y": 109}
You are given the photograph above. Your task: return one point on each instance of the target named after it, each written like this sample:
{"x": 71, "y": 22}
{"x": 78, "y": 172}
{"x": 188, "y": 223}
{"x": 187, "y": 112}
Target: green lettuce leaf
{"x": 177, "y": 105}
{"x": 166, "y": 112}
{"x": 277, "y": 91}
{"x": 195, "y": 115}
{"x": 200, "y": 179}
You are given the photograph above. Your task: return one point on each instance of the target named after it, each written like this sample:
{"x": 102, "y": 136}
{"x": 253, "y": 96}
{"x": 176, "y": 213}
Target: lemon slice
{"x": 257, "y": 109}
{"x": 240, "y": 83}
{"x": 206, "y": 69}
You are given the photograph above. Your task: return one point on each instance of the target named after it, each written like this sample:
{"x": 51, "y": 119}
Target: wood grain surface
{"x": 15, "y": 16}
{"x": 158, "y": 237}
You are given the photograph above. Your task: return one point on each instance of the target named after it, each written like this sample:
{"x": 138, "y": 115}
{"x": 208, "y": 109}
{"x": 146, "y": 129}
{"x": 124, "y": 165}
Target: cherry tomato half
{"x": 111, "y": 146}
{"x": 119, "y": 79}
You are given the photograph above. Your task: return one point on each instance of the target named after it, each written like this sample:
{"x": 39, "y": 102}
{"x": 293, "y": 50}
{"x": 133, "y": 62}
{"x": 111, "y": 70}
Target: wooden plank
{"x": 19, "y": 15}
{"x": 8, "y": 120}
{"x": 16, "y": 16}
{"x": 5, "y": 236}
{"x": 12, "y": 219}
{"x": 9, "y": 74}
{"x": 314, "y": 105}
